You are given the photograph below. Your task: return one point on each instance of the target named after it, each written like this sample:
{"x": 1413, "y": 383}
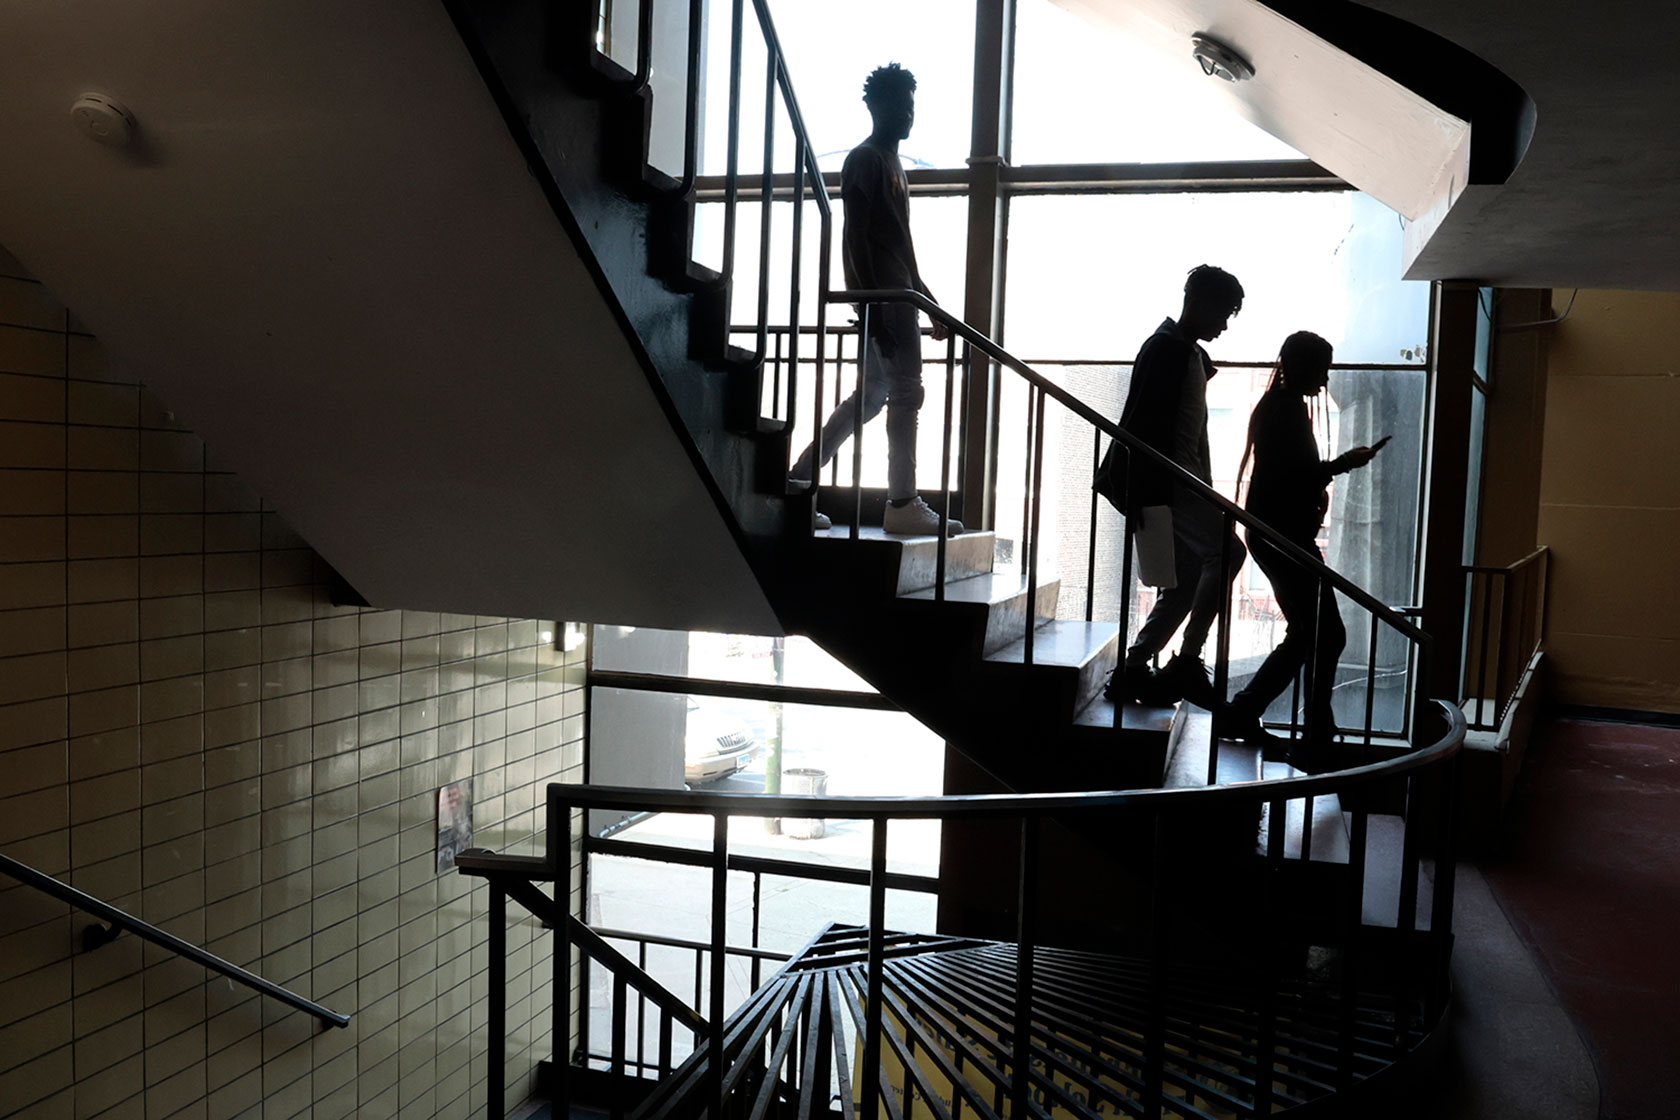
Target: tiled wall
{"x": 190, "y": 730}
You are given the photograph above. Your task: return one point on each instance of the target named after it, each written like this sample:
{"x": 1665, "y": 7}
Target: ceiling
{"x": 1595, "y": 202}
{"x": 328, "y": 257}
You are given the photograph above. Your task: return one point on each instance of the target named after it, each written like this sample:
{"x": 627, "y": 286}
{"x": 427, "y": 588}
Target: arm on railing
{"x": 1137, "y": 447}
{"x": 123, "y": 921}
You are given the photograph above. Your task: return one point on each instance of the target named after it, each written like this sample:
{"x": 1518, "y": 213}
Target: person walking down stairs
{"x": 1166, "y": 406}
{"x": 1287, "y": 492}
{"x": 877, "y": 252}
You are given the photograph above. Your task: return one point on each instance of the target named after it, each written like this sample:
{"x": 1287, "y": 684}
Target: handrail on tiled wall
{"x": 119, "y": 920}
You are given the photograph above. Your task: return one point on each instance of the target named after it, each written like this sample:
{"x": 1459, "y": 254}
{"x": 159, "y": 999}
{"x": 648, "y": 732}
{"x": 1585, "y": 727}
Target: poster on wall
{"x": 454, "y": 821}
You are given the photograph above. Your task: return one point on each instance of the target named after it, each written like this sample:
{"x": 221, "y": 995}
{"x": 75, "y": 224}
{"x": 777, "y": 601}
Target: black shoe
{"x": 1231, "y": 724}
{"x": 1190, "y": 680}
{"x": 1136, "y": 684}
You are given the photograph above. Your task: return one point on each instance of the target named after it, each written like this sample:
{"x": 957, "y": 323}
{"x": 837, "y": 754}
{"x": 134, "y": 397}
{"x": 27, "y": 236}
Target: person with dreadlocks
{"x": 1287, "y": 491}
{"x": 877, "y": 252}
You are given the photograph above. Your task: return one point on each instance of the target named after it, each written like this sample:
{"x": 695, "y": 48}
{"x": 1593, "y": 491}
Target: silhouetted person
{"x": 877, "y": 252}
{"x": 1166, "y": 406}
{"x": 1287, "y": 492}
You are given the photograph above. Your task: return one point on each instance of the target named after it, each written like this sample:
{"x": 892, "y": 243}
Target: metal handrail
{"x": 1473, "y": 675}
{"x": 1183, "y": 477}
{"x": 984, "y": 806}
{"x": 122, "y": 920}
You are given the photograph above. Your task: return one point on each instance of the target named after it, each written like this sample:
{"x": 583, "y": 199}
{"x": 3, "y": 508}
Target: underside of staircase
{"x": 958, "y": 661}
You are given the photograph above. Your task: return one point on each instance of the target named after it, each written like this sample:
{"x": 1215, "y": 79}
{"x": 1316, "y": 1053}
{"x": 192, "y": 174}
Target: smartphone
{"x": 1378, "y": 446}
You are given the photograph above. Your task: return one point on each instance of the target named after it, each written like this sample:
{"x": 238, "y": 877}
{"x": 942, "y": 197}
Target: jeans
{"x": 892, "y": 376}
{"x": 1197, "y": 529}
{"x": 1313, "y": 620}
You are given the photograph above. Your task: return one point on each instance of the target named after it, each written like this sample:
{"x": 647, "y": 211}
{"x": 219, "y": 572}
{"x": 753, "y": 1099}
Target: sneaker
{"x": 1245, "y": 728}
{"x": 1133, "y": 684}
{"x": 1192, "y": 681}
{"x": 821, "y": 522}
{"x": 916, "y": 519}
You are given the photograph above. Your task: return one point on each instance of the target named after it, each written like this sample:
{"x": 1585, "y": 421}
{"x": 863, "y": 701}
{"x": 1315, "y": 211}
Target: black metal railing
{"x": 117, "y": 921}
{"x": 976, "y": 348}
{"x": 1504, "y": 623}
{"x": 1383, "y": 903}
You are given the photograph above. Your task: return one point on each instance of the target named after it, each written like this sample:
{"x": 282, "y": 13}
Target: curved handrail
{"x": 1133, "y": 443}
{"x": 981, "y": 806}
{"x": 105, "y": 912}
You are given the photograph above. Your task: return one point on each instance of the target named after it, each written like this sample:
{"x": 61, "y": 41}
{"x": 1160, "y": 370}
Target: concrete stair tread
{"x": 1384, "y": 843}
{"x": 1099, "y": 713}
{"x": 986, "y": 588}
{"x": 968, "y": 554}
{"x": 1187, "y": 765}
{"x": 1329, "y": 824}
{"x": 1063, "y": 643}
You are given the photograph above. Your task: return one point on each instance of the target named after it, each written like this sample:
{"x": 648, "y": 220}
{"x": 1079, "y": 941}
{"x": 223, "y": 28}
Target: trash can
{"x": 813, "y": 782}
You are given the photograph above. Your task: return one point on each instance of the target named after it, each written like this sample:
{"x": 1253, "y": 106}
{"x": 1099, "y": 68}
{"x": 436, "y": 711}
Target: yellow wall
{"x": 1610, "y": 500}
{"x": 190, "y": 730}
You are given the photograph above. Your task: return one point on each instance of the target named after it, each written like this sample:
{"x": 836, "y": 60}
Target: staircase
{"x": 976, "y": 651}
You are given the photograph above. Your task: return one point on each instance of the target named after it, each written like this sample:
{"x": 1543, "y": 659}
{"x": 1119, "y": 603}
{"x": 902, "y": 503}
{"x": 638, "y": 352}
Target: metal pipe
{"x": 945, "y": 473}
{"x": 1026, "y": 921}
{"x": 765, "y": 207}
{"x": 110, "y": 915}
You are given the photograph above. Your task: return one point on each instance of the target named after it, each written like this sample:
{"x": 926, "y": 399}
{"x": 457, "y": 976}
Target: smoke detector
{"x": 1219, "y": 60}
{"x": 103, "y": 119}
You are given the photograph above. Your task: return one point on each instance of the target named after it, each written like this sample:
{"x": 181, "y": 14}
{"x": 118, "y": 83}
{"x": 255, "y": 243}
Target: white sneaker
{"x": 916, "y": 519}
{"x": 821, "y": 522}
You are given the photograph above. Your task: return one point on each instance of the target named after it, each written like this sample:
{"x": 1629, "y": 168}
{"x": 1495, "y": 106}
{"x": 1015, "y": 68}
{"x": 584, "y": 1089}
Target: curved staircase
{"x": 976, "y": 651}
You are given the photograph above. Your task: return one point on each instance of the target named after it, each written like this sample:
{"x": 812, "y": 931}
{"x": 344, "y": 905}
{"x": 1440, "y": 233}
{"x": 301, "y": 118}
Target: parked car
{"x": 718, "y": 742}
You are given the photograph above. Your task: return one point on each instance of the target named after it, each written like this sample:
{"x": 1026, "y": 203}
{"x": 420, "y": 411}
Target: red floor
{"x": 1592, "y": 882}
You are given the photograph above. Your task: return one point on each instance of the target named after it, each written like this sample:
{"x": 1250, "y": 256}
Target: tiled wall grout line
{"x": 252, "y": 768}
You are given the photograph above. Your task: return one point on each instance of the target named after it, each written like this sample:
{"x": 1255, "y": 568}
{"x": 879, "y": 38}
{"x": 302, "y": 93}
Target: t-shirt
{"x": 1288, "y": 477}
{"x": 876, "y": 195}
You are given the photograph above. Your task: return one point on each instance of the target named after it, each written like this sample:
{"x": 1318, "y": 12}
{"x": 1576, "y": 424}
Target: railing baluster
{"x": 792, "y": 410}
{"x": 665, "y": 1065}
{"x": 1091, "y": 552}
{"x": 766, "y": 199}
{"x": 757, "y": 897}
{"x": 945, "y": 471}
{"x": 1353, "y": 921}
{"x": 641, "y": 1013}
{"x": 825, "y": 232}
{"x": 1481, "y": 668}
{"x": 1154, "y": 1028}
{"x": 720, "y": 934}
{"x": 1498, "y": 697}
{"x": 557, "y": 836}
{"x": 1026, "y": 475}
{"x": 495, "y": 1085}
{"x": 1026, "y": 922}
{"x": 732, "y": 166}
{"x": 1126, "y": 536}
{"x": 857, "y": 424}
{"x": 1406, "y": 921}
{"x": 691, "y": 109}
{"x": 620, "y": 1017}
{"x": 1370, "y": 686}
{"x": 871, "y": 1087}
{"x": 1037, "y": 458}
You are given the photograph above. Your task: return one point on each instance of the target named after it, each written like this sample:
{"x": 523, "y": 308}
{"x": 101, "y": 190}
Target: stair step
{"x": 1089, "y": 649}
{"x": 1002, "y": 594}
{"x": 1099, "y": 713}
{"x": 1187, "y": 765}
{"x": 1329, "y": 824}
{"x": 1384, "y": 843}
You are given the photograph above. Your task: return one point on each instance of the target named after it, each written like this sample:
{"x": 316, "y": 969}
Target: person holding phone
{"x": 1288, "y": 491}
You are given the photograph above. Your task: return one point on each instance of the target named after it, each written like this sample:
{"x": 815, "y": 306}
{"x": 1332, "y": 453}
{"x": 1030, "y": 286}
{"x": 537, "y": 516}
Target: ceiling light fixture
{"x": 103, "y": 119}
{"x": 1219, "y": 60}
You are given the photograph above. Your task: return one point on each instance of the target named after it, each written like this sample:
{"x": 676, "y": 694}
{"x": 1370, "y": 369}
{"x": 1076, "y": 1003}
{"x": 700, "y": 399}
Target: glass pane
{"x": 831, "y": 50}
{"x": 1085, "y": 94}
{"x": 1091, "y": 276}
{"x": 746, "y": 658}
